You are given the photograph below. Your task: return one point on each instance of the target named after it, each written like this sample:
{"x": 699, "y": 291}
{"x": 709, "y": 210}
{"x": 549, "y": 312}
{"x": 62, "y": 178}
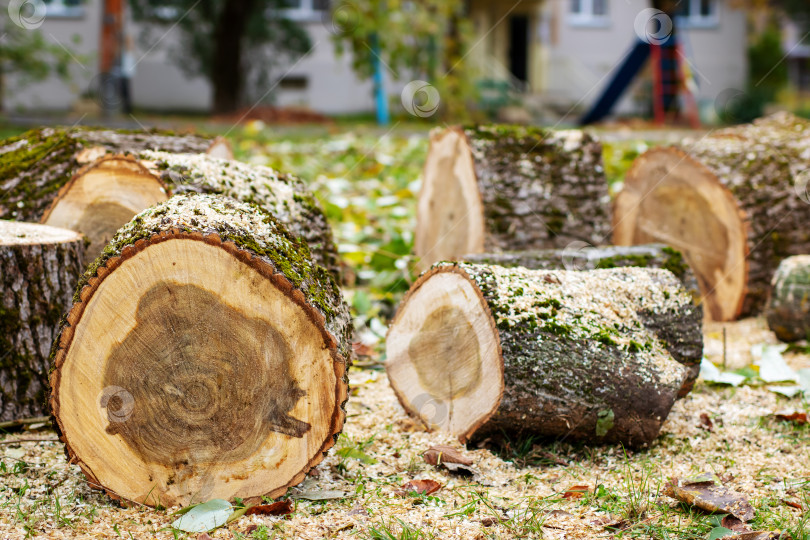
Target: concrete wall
{"x": 581, "y": 58}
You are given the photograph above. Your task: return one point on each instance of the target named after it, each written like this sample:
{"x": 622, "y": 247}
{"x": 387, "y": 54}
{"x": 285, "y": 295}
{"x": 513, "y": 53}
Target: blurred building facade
{"x": 551, "y": 53}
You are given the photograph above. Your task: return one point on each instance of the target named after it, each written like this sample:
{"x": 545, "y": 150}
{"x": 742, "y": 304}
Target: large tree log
{"x": 35, "y": 168}
{"x": 39, "y": 269}
{"x": 499, "y": 188}
{"x": 788, "y": 311}
{"x": 594, "y": 258}
{"x": 205, "y": 356}
{"x": 734, "y": 201}
{"x": 478, "y": 349}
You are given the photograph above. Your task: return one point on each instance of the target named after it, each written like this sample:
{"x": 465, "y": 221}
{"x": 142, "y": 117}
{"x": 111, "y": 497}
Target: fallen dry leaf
{"x": 204, "y": 536}
{"x": 576, "y": 492}
{"x": 425, "y": 487}
{"x": 278, "y": 508}
{"x": 793, "y": 504}
{"x": 361, "y": 349}
{"x": 250, "y": 529}
{"x": 441, "y": 454}
{"x": 734, "y": 524}
{"x": 792, "y": 416}
{"x": 706, "y": 422}
{"x": 707, "y": 493}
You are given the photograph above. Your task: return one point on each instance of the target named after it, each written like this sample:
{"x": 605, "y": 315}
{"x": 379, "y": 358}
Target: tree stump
{"x": 476, "y": 350}
{"x": 39, "y": 269}
{"x": 47, "y": 176}
{"x": 205, "y": 357}
{"x": 788, "y": 311}
{"x": 735, "y": 202}
{"x": 500, "y": 188}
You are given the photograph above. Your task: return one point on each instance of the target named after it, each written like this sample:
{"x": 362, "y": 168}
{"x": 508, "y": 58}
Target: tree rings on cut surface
{"x": 205, "y": 358}
{"x": 601, "y": 355}
{"x": 499, "y": 188}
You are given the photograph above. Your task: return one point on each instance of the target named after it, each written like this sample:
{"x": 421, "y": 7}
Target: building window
{"x": 697, "y": 13}
{"x": 63, "y": 8}
{"x": 305, "y": 9}
{"x": 589, "y": 12}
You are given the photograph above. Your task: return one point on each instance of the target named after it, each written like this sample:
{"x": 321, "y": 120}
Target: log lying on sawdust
{"x": 498, "y": 188}
{"x": 788, "y": 311}
{"x": 480, "y": 349}
{"x": 735, "y": 201}
{"x": 205, "y": 356}
{"x": 39, "y": 268}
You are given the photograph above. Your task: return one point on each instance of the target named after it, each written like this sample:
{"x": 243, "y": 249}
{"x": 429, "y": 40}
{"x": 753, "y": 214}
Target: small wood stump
{"x": 788, "y": 310}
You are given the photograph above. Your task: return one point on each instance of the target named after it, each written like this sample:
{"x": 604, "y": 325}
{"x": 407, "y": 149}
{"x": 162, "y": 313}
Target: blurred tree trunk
{"x": 226, "y": 75}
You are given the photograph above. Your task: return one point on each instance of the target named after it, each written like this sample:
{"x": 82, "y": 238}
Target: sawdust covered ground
{"x": 737, "y": 438}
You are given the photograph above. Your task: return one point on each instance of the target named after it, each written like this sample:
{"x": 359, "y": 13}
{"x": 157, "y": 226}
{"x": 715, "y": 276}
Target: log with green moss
{"x": 482, "y": 350}
{"x": 501, "y": 188}
{"x": 78, "y": 179}
{"x": 735, "y": 201}
{"x": 205, "y": 356}
{"x": 39, "y": 268}
{"x": 788, "y": 310}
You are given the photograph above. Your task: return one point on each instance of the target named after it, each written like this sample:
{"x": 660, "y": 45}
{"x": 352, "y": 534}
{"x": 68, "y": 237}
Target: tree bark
{"x": 735, "y": 202}
{"x": 38, "y": 163}
{"x": 39, "y": 269}
{"x": 788, "y": 310}
{"x": 499, "y": 188}
{"x": 478, "y": 350}
{"x": 227, "y": 73}
{"x": 205, "y": 356}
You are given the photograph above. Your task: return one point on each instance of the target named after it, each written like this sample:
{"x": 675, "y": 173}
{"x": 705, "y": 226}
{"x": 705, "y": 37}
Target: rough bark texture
{"x": 764, "y": 166}
{"x": 285, "y": 196}
{"x": 540, "y": 188}
{"x": 585, "y": 354}
{"x": 788, "y": 310}
{"x": 593, "y": 258}
{"x": 681, "y": 337}
{"x": 35, "y": 165}
{"x": 253, "y": 236}
{"x": 36, "y": 288}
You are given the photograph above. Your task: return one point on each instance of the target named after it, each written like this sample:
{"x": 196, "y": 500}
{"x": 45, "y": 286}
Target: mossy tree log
{"x": 39, "y": 169}
{"x": 39, "y": 268}
{"x": 499, "y": 188}
{"x": 205, "y": 356}
{"x": 788, "y": 311}
{"x": 734, "y": 201}
{"x": 477, "y": 350}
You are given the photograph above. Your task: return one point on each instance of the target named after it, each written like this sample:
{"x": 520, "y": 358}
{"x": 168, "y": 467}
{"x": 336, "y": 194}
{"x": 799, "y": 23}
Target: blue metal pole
{"x": 383, "y": 116}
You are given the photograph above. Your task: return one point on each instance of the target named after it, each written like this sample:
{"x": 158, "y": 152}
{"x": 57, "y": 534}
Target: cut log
{"x": 39, "y": 269}
{"x": 593, "y": 258}
{"x": 37, "y": 166}
{"x": 734, "y": 201}
{"x": 205, "y": 357}
{"x": 476, "y": 350}
{"x": 788, "y": 311}
{"x": 499, "y": 188}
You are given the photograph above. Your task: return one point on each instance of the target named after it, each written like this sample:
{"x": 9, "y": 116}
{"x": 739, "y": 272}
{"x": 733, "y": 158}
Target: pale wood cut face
{"x": 104, "y": 197}
{"x": 443, "y": 355}
{"x": 669, "y": 198}
{"x": 18, "y": 233}
{"x": 450, "y": 213}
{"x": 190, "y": 377}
